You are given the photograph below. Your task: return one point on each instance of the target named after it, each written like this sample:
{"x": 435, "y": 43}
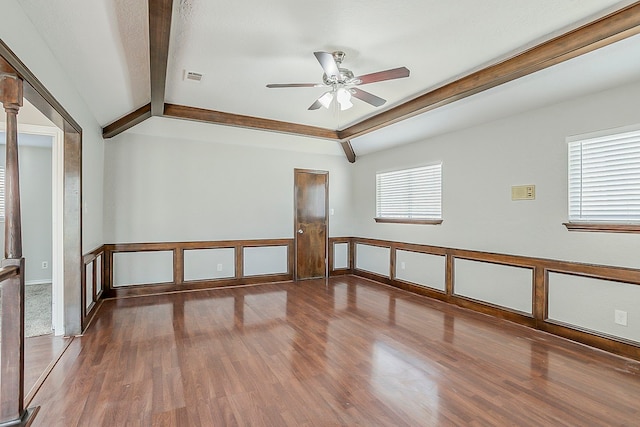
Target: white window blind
{"x": 604, "y": 179}
{"x": 2, "y": 194}
{"x": 410, "y": 193}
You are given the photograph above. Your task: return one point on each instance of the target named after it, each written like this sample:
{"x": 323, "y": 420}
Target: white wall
{"x": 480, "y": 165}
{"x": 164, "y": 189}
{"x": 17, "y": 31}
{"x": 36, "y": 209}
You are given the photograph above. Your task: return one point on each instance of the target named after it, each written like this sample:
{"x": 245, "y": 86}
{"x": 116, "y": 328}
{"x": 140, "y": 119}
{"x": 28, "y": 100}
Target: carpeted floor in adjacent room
{"x": 37, "y": 309}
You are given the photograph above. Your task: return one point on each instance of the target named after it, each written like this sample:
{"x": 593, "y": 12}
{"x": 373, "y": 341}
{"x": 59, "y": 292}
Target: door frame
{"x": 295, "y": 220}
{"x": 57, "y": 191}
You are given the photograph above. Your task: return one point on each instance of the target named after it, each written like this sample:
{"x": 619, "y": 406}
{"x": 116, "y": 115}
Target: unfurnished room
{"x": 338, "y": 213}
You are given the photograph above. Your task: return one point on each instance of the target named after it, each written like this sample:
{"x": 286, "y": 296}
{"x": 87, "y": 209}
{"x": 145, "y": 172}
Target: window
{"x": 1, "y": 194}
{"x": 604, "y": 182}
{"x": 410, "y": 195}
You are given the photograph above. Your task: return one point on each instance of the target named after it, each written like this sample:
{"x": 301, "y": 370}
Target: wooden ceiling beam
{"x": 602, "y": 32}
{"x": 248, "y": 122}
{"x": 127, "y": 122}
{"x": 348, "y": 151}
{"x": 159, "y": 31}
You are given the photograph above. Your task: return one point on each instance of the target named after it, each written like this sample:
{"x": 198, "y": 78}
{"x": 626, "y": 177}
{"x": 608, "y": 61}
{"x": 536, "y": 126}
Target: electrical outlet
{"x": 219, "y": 267}
{"x": 620, "y": 317}
{"x": 45, "y": 265}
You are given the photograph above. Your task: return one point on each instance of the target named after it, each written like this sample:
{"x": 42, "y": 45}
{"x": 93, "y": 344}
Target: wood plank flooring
{"x": 343, "y": 352}
{"x": 39, "y": 353}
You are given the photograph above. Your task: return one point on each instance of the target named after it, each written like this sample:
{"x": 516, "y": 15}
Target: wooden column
{"x": 12, "y": 348}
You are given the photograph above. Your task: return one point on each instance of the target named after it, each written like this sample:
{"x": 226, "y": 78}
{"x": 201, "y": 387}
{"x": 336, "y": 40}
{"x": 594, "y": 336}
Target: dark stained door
{"x": 310, "y": 192}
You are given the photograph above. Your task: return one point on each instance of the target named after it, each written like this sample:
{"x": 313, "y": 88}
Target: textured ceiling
{"x": 103, "y": 45}
{"x": 605, "y": 68}
{"x": 241, "y": 46}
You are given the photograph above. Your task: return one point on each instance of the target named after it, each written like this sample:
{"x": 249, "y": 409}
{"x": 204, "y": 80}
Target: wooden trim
{"x": 348, "y": 151}
{"x": 12, "y": 348}
{"x": 540, "y": 288}
{"x": 449, "y": 274}
{"x": 408, "y": 221}
{"x": 340, "y": 271}
{"x": 127, "y": 122}
{"x": 90, "y": 259}
{"x": 540, "y": 291}
{"x": 606, "y": 228}
{"x": 8, "y": 272}
{"x": 602, "y": 32}
{"x": 178, "y": 283}
{"x": 178, "y": 266}
{"x": 248, "y": 122}
{"x": 373, "y": 276}
{"x": 159, "y": 288}
{"x": 160, "y": 12}
{"x": 592, "y": 338}
{"x": 44, "y": 101}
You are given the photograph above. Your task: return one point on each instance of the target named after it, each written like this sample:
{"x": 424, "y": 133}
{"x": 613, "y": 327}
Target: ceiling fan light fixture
{"x": 326, "y": 99}
{"x": 344, "y": 98}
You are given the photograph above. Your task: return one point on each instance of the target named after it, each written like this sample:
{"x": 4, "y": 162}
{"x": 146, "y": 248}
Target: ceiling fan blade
{"x": 328, "y": 63}
{"x": 394, "y": 73}
{"x": 367, "y": 97}
{"x": 277, "y": 85}
{"x": 323, "y": 101}
{"x": 315, "y": 105}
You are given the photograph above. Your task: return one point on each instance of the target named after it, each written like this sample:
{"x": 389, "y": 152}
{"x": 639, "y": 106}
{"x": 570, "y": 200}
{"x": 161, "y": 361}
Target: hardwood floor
{"x": 346, "y": 352}
{"x": 39, "y": 353}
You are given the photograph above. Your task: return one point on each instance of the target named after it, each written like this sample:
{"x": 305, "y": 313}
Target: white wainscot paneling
{"x": 375, "y": 259}
{"x": 591, "y": 304}
{"x": 136, "y": 268}
{"x": 98, "y": 262}
{"x": 265, "y": 260}
{"x": 204, "y": 264}
{"x": 88, "y": 269}
{"x": 340, "y": 256}
{"x": 421, "y": 269}
{"x": 501, "y": 285}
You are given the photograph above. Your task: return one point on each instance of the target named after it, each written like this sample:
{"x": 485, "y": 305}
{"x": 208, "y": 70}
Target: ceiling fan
{"x": 341, "y": 82}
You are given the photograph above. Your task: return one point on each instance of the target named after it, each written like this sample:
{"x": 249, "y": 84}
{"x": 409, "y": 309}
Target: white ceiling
{"x": 243, "y": 45}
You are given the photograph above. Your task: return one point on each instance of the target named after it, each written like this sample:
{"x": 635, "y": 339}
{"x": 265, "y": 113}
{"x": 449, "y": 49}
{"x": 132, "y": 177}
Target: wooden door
{"x": 311, "y": 189}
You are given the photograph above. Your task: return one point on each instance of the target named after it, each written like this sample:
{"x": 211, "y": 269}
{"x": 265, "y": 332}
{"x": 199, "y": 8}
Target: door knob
{"x": 300, "y": 231}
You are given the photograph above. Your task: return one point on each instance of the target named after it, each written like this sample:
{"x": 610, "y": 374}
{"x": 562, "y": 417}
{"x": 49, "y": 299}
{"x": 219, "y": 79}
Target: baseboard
{"x": 37, "y": 282}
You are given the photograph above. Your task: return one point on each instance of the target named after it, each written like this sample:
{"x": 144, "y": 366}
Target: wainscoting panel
{"x": 88, "y": 284}
{"x": 591, "y": 303}
{"x": 496, "y": 284}
{"x": 208, "y": 264}
{"x": 98, "y": 277}
{"x": 340, "y": 256}
{"x": 265, "y": 260}
{"x": 137, "y": 268}
{"x": 569, "y": 299}
{"x": 374, "y": 259}
{"x": 421, "y": 269}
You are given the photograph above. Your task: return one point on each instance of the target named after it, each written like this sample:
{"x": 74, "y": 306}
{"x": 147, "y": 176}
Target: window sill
{"x": 409, "y": 221}
{"x": 606, "y": 228}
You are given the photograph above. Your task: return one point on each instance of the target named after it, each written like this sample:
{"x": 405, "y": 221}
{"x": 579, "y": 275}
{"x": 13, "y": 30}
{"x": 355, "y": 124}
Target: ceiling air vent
{"x": 192, "y": 76}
